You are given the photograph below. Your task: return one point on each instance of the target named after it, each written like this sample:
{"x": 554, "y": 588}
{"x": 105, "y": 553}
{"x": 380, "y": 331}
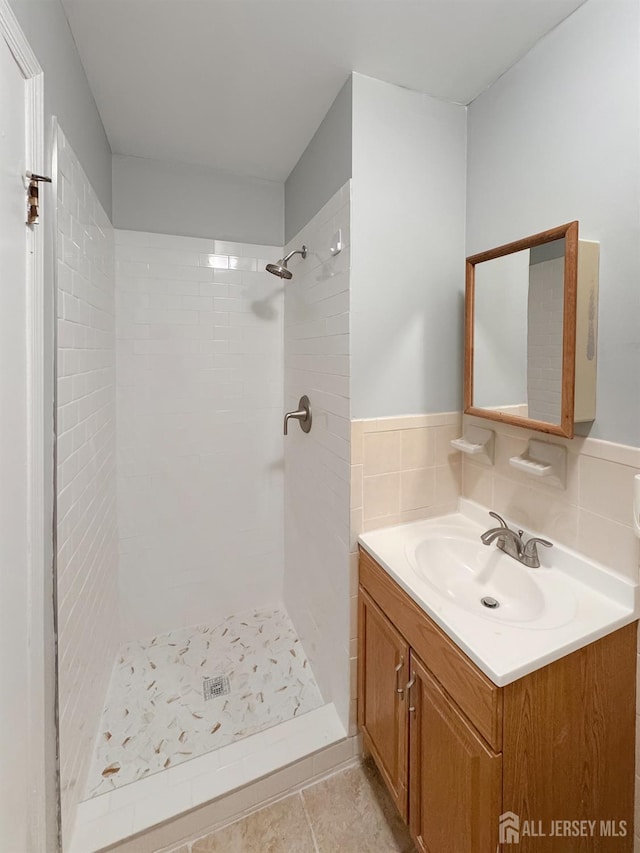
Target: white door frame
{"x": 41, "y": 660}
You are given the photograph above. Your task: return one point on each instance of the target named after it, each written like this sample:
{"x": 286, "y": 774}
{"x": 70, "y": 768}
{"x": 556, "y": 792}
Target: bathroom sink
{"x": 485, "y": 580}
{"x": 541, "y": 614}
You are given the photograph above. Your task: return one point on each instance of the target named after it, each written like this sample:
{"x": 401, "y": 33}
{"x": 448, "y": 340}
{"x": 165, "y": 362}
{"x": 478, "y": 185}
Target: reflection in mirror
{"x": 520, "y": 316}
{"x": 518, "y": 333}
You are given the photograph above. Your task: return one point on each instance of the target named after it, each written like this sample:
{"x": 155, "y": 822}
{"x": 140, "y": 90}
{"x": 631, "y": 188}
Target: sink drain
{"x": 489, "y": 602}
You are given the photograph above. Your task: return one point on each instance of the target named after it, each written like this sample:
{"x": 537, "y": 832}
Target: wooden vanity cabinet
{"x": 455, "y": 777}
{"x": 383, "y": 715}
{"x": 456, "y": 751}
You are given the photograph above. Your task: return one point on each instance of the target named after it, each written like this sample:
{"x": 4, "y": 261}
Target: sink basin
{"x": 543, "y": 613}
{"x": 465, "y": 571}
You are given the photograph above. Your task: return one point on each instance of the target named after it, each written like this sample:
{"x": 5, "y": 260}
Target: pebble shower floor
{"x": 156, "y": 715}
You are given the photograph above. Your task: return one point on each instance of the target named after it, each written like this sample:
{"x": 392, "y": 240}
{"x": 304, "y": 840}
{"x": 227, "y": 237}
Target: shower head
{"x": 280, "y": 267}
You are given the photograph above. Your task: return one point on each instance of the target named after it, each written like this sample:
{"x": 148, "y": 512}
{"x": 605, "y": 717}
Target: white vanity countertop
{"x": 566, "y": 604}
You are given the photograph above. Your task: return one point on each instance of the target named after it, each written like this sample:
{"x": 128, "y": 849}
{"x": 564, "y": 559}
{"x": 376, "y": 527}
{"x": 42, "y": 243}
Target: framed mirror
{"x": 520, "y": 332}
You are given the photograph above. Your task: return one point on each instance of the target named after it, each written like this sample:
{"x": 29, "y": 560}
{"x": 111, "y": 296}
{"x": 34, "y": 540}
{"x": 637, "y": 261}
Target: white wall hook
{"x": 336, "y": 243}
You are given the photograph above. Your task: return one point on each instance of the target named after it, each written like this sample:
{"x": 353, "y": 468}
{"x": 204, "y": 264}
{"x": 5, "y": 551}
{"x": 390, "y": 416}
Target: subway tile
{"x": 87, "y": 641}
{"x": 219, "y": 262}
{"x": 245, "y": 264}
{"x": 226, "y": 276}
{"x": 226, "y": 247}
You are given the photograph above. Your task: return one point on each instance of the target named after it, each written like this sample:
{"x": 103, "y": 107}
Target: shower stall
{"x": 203, "y": 565}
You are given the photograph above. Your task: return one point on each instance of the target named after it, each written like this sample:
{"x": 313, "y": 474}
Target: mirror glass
{"x": 520, "y": 333}
{"x": 518, "y": 322}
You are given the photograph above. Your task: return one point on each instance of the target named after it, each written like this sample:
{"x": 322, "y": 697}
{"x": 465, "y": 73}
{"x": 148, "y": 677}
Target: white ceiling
{"x": 242, "y": 85}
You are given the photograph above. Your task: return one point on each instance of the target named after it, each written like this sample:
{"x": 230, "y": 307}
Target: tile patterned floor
{"x": 155, "y": 715}
{"x": 350, "y": 812}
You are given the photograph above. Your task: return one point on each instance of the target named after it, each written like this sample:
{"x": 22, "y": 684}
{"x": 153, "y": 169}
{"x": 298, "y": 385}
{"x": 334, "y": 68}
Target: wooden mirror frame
{"x": 570, "y": 234}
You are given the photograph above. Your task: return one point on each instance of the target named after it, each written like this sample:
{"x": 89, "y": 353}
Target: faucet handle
{"x": 535, "y": 541}
{"x": 531, "y": 550}
{"x": 503, "y": 523}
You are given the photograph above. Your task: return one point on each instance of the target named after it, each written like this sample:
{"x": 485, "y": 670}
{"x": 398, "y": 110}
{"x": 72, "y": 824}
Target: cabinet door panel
{"x": 383, "y": 667}
{"x": 455, "y": 779}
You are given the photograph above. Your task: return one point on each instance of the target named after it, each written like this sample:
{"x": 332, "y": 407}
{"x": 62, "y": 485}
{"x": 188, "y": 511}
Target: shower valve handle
{"x": 302, "y": 415}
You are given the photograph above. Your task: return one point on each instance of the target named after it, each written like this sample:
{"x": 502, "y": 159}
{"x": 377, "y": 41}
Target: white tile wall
{"x": 88, "y": 620}
{"x": 317, "y": 464}
{"x": 199, "y": 327}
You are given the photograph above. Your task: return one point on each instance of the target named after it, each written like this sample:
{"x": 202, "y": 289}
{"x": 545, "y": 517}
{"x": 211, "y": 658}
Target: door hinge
{"x": 33, "y": 211}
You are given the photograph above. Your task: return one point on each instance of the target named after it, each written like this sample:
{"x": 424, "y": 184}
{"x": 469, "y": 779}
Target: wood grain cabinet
{"x": 457, "y": 752}
{"x": 383, "y": 716}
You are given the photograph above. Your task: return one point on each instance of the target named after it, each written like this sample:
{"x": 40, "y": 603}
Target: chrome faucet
{"x": 513, "y": 544}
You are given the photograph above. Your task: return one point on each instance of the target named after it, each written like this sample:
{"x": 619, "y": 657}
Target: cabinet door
{"x": 383, "y": 667}
{"x": 455, "y": 779}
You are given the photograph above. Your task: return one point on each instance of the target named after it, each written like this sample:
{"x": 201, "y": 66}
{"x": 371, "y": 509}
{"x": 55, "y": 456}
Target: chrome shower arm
{"x": 302, "y": 251}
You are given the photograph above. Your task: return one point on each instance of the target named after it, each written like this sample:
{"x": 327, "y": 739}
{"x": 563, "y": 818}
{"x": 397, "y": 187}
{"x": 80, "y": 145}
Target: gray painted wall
{"x": 325, "y": 165}
{"x": 556, "y": 139}
{"x": 194, "y": 201}
{"x": 407, "y": 243}
{"x": 66, "y": 91}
